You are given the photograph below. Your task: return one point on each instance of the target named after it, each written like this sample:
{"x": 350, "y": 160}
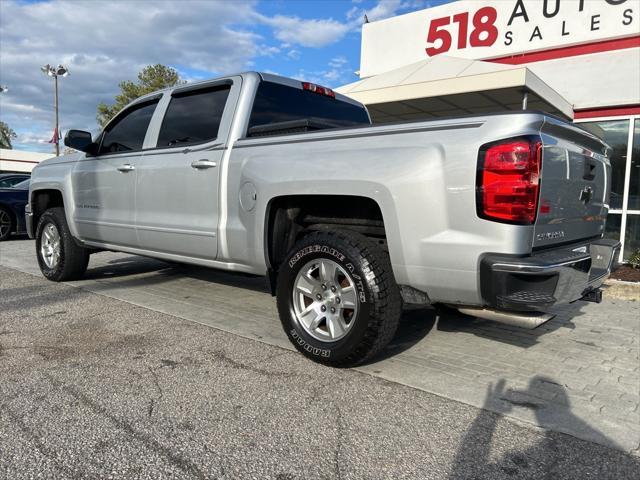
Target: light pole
{"x": 55, "y": 72}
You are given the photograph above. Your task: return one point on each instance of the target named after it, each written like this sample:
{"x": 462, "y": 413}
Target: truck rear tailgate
{"x": 575, "y": 183}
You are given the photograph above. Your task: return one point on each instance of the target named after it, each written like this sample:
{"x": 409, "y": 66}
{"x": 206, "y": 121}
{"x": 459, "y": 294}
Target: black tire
{"x": 379, "y": 301}
{"x": 6, "y": 229}
{"x": 73, "y": 258}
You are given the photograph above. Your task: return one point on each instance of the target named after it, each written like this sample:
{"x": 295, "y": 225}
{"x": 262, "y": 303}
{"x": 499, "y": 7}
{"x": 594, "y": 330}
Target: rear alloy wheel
{"x": 6, "y": 224}
{"x": 59, "y": 256}
{"x": 324, "y": 300}
{"x": 337, "y": 298}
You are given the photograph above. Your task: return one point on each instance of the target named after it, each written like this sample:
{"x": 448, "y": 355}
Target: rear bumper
{"x": 550, "y": 277}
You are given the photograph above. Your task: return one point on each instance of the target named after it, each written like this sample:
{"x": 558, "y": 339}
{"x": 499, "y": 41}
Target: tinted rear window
{"x": 276, "y": 103}
{"x": 193, "y": 117}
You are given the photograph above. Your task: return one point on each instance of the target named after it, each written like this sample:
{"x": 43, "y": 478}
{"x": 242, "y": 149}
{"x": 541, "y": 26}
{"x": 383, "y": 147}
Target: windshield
{"x": 23, "y": 185}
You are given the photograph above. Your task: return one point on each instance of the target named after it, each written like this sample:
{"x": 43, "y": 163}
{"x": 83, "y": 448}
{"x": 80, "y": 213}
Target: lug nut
{"x": 337, "y": 299}
{"x": 333, "y": 288}
{"x": 323, "y": 308}
{"x": 324, "y": 287}
{"x": 318, "y": 296}
{"x": 333, "y": 310}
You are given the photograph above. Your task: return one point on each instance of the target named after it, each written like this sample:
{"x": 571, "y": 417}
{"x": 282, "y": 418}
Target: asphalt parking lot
{"x": 92, "y": 386}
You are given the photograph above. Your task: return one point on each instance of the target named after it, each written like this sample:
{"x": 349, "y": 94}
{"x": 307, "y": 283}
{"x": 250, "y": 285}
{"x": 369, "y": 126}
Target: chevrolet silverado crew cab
{"x": 501, "y": 216}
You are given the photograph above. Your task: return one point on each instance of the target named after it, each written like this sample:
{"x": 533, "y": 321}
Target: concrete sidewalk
{"x": 578, "y": 374}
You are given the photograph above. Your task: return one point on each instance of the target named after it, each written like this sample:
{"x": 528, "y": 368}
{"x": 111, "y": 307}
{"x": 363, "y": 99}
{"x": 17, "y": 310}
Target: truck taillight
{"x": 508, "y": 180}
{"x": 312, "y": 87}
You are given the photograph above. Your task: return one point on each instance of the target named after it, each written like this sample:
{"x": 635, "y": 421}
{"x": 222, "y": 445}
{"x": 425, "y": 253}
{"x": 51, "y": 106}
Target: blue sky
{"x": 105, "y": 42}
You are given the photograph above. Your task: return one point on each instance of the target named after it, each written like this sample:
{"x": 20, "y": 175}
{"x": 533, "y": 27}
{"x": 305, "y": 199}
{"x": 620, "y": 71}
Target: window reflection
{"x": 616, "y": 134}
{"x": 632, "y": 235}
{"x": 634, "y": 181}
{"x": 612, "y": 228}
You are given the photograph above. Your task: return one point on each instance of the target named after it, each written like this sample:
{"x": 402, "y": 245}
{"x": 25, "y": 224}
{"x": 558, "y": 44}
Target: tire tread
{"x": 74, "y": 258}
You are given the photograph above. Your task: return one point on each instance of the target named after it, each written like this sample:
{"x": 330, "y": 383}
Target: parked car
{"x": 12, "y": 205}
{"x": 500, "y": 216}
{"x": 8, "y": 180}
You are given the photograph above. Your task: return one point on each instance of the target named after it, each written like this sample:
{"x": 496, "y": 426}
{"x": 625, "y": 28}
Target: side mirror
{"x": 80, "y": 140}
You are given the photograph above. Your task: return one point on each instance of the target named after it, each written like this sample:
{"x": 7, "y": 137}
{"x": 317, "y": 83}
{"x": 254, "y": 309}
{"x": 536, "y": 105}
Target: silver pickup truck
{"x": 500, "y": 216}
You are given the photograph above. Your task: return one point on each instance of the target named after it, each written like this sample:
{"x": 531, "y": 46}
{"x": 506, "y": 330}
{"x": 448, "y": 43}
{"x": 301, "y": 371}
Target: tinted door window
{"x": 126, "y": 133}
{"x": 193, "y": 117}
{"x": 275, "y": 103}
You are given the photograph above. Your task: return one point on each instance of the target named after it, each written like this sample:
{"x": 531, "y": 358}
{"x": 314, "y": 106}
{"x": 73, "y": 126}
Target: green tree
{"x": 6, "y": 135}
{"x": 150, "y": 79}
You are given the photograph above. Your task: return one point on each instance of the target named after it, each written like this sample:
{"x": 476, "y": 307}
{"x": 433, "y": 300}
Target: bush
{"x": 634, "y": 259}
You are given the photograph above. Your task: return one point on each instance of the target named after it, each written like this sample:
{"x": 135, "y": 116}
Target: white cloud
{"x": 338, "y": 62}
{"x": 268, "y": 51}
{"x": 314, "y": 33}
{"x": 384, "y": 9}
{"x": 338, "y": 72}
{"x": 103, "y": 43}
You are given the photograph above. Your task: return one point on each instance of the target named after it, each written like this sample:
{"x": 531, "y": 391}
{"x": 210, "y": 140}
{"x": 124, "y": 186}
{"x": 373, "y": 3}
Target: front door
{"x": 104, "y": 185}
{"x": 177, "y": 189}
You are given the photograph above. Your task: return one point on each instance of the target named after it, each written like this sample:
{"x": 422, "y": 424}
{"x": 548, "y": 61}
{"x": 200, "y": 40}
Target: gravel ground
{"x": 92, "y": 387}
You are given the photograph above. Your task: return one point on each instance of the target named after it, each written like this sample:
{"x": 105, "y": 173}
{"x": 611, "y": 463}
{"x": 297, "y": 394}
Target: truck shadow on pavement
{"x": 135, "y": 271}
{"x": 150, "y": 272}
{"x": 549, "y": 457}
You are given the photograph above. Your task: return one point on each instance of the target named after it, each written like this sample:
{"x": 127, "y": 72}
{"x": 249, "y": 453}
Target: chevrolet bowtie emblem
{"x": 586, "y": 194}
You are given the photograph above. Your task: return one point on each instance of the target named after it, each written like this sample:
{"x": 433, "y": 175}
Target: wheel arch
{"x": 290, "y": 217}
{"x": 43, "y": 199}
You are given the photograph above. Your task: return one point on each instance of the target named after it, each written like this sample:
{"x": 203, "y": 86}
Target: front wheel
{"x": 337, "y": 298}
{"x": 59, "y": 257}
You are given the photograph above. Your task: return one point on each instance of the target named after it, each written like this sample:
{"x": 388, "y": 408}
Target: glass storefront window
{"x": 613, "y": 226}
{"x": 616, "y": 134}
{"x": 632, "y": 235}
{"x": 634, "y": 181}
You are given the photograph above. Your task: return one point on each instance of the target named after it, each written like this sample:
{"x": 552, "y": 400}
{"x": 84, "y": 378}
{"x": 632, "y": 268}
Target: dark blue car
{"x": 12, "y": 203}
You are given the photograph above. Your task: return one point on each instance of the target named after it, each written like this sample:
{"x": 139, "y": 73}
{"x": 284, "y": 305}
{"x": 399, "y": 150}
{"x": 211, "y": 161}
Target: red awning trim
{"x": 625, "y": 111}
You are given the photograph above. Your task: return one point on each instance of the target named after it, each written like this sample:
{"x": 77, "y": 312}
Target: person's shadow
{"x": 474, "y": 459}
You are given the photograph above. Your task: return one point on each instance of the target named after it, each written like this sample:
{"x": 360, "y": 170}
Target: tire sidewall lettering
{"x": 315, "y": 249}
{"x": 321, "y": 352}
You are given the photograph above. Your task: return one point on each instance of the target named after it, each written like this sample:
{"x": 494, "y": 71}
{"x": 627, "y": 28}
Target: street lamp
{"x": 55, "y": 72}
{"x": 3, "y": 89}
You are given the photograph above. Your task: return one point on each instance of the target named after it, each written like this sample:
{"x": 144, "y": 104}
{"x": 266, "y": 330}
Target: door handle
{"x": 126, "y": 168}
{"x": 203, "y": 163}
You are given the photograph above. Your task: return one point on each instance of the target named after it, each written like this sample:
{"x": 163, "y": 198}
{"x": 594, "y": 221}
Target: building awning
{"x": 446, "y": 86}
{"x": 20, "y": 160}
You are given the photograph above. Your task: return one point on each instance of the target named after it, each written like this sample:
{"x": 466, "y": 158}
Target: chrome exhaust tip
{"x": 529, "y": 320}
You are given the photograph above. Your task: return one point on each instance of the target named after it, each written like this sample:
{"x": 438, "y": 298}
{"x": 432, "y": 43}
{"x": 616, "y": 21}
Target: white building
{"x": 579, "y": 59}
{"x": 20, "y": 160}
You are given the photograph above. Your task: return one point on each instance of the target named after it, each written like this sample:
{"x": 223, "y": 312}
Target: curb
{"x": 622, "y": 290}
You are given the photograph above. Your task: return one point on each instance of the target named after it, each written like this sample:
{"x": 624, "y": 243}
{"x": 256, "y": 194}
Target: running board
{"x": 528, "y": 320}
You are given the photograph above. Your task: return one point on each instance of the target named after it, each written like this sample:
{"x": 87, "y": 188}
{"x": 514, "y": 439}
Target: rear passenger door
{"x": 178, "y": 181}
